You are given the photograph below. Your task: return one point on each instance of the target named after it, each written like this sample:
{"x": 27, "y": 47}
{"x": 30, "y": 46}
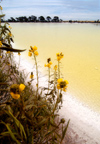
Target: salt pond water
{"x": 80, "y": 44}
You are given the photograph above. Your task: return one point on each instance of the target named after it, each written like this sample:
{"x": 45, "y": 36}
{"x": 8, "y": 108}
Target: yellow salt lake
{"x": 80, "y": 44}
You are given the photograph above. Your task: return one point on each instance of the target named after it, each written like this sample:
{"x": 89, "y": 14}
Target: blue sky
{"x": 65, "y": 9}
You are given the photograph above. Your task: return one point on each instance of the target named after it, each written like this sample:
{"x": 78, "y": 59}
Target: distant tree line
{"x": 34, "y": 19}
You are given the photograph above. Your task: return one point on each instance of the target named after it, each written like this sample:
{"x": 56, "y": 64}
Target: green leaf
{"x": 7, "y": 45}
{"x": 12, "y": 40}
{"x": 19, "y": 125}
{"x": 2, "y": 15}
{"x": 6, "y": 134}
{"x": 30, "y": 106}
{"x": 42, "y": 122}
{"x": 11, "y": 49}
{"x": 11, "y": 133}
{"x": 64, "y": 132}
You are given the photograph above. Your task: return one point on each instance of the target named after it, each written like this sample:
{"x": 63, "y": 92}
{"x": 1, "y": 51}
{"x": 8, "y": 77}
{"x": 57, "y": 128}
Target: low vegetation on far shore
{"x": 28, "y": 112}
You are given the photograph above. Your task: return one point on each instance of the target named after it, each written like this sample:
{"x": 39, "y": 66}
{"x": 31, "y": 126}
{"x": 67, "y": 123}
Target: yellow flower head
{"x": 0, "y": 43}
{"x": 58, "y": 86}
{"x": 45, "y": 65}
{"x": 0, "y": 56}
{"x": 15, "y": 96}
{"x": 31, "y": 76}
{"x": 1, "y": 8}
{"x": 33, "y": 48}
{"x": 29, "y": 54}
{"x": 59, "y": 80}
{"x": 10, "y": 27}
{"x": 16, "y": 89}
{"x": 21, "y": 87}
{"x": 9, "y": 34}
{"x": 59, "y": 56}
{"x": 8, "y": 52}
{"x": 55, "y": 67}
{"x": 36, "y": 53}
{"x": 49, "y": 63}
{"x": 19, "y": 53}
{"x": 62, "y": 84}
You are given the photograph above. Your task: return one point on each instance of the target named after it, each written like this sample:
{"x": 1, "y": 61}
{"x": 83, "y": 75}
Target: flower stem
{"x": 58, "y": 70}
{"x": 48, "y": 78}
{"x": 36, "y": 74}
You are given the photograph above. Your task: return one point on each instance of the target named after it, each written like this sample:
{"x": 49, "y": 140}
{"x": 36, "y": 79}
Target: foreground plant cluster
{"x": 29, "y": 115}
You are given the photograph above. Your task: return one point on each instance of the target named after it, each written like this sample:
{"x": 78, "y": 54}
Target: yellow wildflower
{"x": 15, "y": 96}
{"x": 29, "y": 54}
{"x": 10, "y": 27}
{"x": 9, "y": 34}
{"x": 19, "y": 53}
{"x": 45, "y": 65}
{"x": 58, "y": 86}
{"x": 16, "y": 89}
{"x": 1, "y": 8}
{"x": 33, "y": 48}
{"x": 0, "y": 43}
{"x": 55, "y": 67}
{"x": 62, "y": 84}
{"x": 8, "y": 52}
{"x": 31, "y": 76}
{"x": 21, "y": 87}
{"x": 36, "y": 53}
{"x": 59, "y": 56}
{"x": 49, "y": 63}
{"x": 59, "y": 80}
{"x": 64, "y": 89}
{"x": 0, "y": 56}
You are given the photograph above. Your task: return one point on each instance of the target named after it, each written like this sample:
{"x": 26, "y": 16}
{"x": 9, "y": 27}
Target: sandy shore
{"x": 84, "y": 127}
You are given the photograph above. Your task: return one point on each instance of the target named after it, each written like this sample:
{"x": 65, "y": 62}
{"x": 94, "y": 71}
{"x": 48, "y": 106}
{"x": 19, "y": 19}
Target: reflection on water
{"x": 80, "y": 44}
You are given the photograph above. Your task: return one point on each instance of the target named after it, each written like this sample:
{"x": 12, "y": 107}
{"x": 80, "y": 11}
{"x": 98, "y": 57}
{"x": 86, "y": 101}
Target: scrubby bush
{"x": 28, "y": 115}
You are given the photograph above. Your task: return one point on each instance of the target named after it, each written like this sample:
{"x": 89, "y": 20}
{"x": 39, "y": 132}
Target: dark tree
{"x": 11, "y": 20}
{"x": 70, "y": 21}
{"x": 48, "y": 18}
{"x": 22, "y": 19}
{"x": 32, "y": 19}
{"x": 55, "y": 19}
{"x": 41, "y": 19}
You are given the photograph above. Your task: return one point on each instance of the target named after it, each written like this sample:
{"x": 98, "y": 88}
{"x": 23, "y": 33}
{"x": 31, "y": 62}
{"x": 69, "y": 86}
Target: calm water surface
{"x": 80, "y": 44}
